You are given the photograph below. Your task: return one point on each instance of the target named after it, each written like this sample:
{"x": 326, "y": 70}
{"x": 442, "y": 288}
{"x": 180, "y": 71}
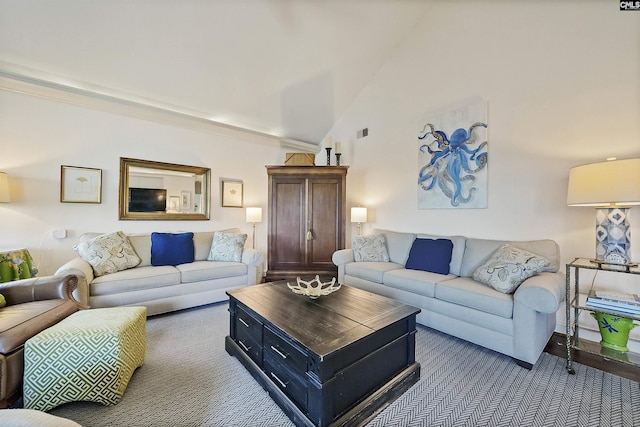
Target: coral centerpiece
{"x": 314, "y": 288}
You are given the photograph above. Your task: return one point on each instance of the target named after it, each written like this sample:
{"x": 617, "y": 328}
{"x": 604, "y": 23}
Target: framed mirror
{"x": 163, "y": 191}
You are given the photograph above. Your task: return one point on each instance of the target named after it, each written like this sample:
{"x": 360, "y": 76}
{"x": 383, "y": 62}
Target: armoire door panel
{"x": 324, "y": 201}
{"x": 288, "y": 242}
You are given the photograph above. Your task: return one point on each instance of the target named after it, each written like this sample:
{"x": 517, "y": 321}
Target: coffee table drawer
{"x": 291, "y": 383}
{"x": 249, "y": 345}
{"x": 247, "y": 323}
{"x": 284, "y": 351}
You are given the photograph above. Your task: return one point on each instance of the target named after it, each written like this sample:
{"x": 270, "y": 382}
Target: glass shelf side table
{"x": 574, "y": 306}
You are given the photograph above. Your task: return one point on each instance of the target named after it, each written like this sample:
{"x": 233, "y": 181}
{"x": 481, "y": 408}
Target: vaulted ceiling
{"x": 287, "y": 68}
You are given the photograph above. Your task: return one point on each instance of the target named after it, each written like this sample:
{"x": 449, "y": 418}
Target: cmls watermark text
{"x": 629, "y": 5}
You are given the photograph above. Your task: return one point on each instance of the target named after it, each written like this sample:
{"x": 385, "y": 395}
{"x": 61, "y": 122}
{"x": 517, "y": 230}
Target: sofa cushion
{"x": 508, "y": 267}
{"x": 142, "y": 245}
{"x": 202, "y": 244}
{"x": 479, "y": 250}
{"x": 469, "y": 293}
{"x": 108, "y": 253}
{"x": 227, "y": 246}
{"x": 370, "y": 248}
{"x": 372, "y": 271}
{"x": 135, "y": 279}
{"x": 171, "y": 248}
{"x": 398, "y": 245}
{"x": 209, "y": 270}
{"x": 416, "y": 281}
{"x": 433, "y": 255}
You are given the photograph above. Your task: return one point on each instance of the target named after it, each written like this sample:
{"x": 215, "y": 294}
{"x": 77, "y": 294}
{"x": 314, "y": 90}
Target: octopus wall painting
{"x": 452, "y": 153}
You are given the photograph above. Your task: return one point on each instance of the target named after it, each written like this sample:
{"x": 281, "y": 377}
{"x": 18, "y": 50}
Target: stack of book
{"x": 622, "y": 304}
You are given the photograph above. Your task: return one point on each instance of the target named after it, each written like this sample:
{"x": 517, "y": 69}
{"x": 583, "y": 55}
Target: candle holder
{"x": 328, "y": 155}
{"x": 338, "y": 158}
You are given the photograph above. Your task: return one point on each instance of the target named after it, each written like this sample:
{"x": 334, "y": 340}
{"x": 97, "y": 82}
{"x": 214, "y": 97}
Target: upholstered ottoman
{"x": 90, "y": 356}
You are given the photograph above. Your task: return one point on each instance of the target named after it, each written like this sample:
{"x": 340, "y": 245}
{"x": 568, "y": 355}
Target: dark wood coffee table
{"x": 336, "y": 360}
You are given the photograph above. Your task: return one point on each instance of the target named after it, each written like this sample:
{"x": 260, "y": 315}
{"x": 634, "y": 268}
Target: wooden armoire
{"x": 307, "y": 215}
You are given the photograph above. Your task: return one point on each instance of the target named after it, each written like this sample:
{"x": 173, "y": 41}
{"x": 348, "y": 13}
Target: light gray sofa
{"x": 518, "y": 325}
{"x": 164, "y": 288}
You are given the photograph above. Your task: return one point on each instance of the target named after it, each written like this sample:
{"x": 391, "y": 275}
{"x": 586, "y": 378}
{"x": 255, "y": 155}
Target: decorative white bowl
{"x": 316, "y": 290}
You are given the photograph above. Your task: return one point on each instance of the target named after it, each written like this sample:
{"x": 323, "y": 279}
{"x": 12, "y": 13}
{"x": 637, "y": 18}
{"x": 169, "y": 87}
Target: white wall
{"x": 562, "y": 84}
{"x": 37, "y": 136}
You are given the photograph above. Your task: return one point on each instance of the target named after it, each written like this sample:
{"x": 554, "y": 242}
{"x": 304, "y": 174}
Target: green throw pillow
{"x": 3, "y": 301}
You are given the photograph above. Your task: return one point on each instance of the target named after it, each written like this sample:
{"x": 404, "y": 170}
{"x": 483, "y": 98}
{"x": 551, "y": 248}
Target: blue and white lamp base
{"x": 613, "y": 235}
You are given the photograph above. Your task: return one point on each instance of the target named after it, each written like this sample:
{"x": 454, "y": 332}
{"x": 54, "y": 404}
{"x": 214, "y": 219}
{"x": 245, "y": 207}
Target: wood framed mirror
{"x": 163, "y": 191}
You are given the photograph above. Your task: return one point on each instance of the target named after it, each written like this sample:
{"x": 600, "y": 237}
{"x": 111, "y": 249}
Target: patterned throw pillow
{"x": 508, "y": 267}
{"x": 108, "y": 253}
{"x": 370, "y": 248}
{"x": 227, "y": 247}
{"x": 3, "y": 301}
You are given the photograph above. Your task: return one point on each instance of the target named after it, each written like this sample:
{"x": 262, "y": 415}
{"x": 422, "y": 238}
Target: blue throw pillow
{"x": 433, "y": 255}
{"x": 171, "y": 248}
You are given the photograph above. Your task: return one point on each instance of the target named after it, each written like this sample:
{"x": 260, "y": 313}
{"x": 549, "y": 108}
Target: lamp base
{"x": 613, "y": 235}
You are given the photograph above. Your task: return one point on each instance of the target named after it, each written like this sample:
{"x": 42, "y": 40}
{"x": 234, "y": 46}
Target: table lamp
{"x": 359, "y": 215}
{"x": 254, "y": 215}
{"x": 612, "y": 187}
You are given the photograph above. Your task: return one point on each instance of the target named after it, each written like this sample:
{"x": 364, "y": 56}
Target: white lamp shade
{"x": 359, "y": 215}
{"x": 605, "y": 183}
{"x": 4, "y": 188}
{"x": 254, "y": 215}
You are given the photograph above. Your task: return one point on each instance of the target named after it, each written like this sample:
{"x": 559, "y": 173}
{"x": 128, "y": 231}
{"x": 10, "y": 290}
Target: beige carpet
{"x": 189, "y": 380}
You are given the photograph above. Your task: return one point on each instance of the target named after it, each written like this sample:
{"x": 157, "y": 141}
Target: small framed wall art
{"x": 231, "y": 193}
{"x": 80, "y": 185}
{"x": 174, "y": 204}
{"x": 185, "y": 201}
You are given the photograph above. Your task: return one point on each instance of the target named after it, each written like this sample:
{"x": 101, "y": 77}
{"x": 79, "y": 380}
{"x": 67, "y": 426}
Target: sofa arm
{"x": 84, "y": 271}
{"x": 543, "y": 292}
{"x": 80, "y": 266}
{"x": 254, "y": 261}
{"x": 39, "y": 289}
{"x": 252, "y": 257}
{"x": 342, "y": 257}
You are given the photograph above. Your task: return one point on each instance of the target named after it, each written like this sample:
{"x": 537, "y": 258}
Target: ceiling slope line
{"x": 93, "y": 99}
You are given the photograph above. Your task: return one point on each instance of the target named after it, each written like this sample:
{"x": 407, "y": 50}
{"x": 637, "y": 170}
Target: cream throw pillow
{"x": 508, "y": 267}
{"x": 370, "y": 248}
{"x": 108, "y": 253}
{"x": 227, "y": 247}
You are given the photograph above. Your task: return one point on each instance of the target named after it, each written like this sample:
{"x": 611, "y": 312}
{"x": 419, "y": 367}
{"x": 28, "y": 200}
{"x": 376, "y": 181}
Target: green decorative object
{"x": 3, "y": 301}
{"x": 614, "y": 330}
{"x": 16, "y": 265}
